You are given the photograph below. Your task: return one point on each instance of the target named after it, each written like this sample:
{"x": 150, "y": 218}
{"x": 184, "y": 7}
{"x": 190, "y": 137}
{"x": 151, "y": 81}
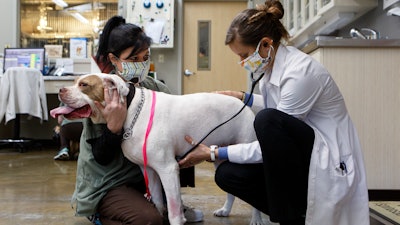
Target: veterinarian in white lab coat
{"x": 307, "y": 165}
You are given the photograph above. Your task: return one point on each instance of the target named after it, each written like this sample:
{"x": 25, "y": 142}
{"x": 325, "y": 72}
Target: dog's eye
{"x": 83, "y": 84}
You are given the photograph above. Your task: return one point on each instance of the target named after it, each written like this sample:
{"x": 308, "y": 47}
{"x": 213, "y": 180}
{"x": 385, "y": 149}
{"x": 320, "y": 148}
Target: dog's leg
{"x": 169, "y": 175}
{"x": 155, "y": 189}
{"x": 256, "y": 218}
{"x": 226, "y": 209}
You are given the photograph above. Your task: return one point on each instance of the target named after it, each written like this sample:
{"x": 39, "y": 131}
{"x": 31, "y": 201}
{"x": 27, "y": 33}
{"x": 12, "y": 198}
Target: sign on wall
{"x": 156, "y": 17}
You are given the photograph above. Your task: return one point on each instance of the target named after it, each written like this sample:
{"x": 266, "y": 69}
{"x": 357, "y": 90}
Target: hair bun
{"x": 272, "y": 7}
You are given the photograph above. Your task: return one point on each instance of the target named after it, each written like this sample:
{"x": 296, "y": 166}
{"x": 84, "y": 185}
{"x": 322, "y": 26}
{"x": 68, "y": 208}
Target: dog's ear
{"x": 114, "y": 81}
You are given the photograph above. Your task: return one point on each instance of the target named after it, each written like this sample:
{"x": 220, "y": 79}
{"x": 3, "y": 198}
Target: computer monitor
{"x": 24, "y": 57}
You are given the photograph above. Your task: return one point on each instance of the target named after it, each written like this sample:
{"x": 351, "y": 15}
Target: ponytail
{"x": 103, "y": 48}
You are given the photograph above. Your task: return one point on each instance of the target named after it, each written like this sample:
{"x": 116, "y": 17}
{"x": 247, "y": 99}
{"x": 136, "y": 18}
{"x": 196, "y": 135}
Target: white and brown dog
{"x": 173, "y": 117}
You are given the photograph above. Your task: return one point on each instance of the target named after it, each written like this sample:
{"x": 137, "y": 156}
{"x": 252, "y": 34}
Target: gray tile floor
{"x": 36, "y": 190}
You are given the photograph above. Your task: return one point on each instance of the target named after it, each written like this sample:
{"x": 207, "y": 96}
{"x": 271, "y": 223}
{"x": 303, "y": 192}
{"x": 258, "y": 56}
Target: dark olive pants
{"x": 126, "y": 205}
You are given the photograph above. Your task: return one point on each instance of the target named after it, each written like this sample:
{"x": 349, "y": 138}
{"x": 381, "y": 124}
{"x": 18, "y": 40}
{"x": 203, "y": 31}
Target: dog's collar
{"x": 131, "y": 94}
{"x": 128, "y": 132}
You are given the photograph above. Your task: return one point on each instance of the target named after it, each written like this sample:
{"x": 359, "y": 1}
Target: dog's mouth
{"x": 72, "y": 113}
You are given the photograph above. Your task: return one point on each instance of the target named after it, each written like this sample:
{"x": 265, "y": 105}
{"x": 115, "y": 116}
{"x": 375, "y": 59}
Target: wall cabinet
{"x": 307, "y": 18}
{"x": 369, "y": 79}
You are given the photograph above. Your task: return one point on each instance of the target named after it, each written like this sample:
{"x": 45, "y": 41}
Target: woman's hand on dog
{"x": 236, "y": 94}
{"x": 114, "y": 112}
{"x": 198, "y": 155}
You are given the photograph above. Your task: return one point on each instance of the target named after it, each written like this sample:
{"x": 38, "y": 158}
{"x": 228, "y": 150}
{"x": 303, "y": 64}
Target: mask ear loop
{"x": 115, "y": 66}
{"x": 269, "y": 53}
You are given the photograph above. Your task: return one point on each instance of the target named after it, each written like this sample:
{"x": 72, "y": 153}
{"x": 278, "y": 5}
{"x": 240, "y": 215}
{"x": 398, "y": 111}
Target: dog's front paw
{"x": 222, "y": 212}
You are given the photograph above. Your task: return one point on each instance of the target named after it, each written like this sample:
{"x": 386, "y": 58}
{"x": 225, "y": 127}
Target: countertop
{"x": 54, "y": 83}
{"x": 64, "y": 77}
{"x": 59, "y": 78}
{"x": 323, "y": 41}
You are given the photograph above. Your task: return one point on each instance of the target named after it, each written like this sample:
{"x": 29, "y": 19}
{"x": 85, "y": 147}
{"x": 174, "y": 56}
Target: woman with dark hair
{"x": 306, "y": 166}
{"x": 109, "y": 188}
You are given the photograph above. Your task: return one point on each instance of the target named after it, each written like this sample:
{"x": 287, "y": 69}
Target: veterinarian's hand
{"x": 236, "y": 94}
{"x": 198, "y": 155}
{"x": 114, "y": 112}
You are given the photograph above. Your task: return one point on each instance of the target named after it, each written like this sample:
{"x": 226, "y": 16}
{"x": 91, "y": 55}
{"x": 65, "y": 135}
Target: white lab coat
{"x": 300, "y": 86}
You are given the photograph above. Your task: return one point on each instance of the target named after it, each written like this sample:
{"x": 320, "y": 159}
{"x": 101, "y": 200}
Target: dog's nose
{"x": 62, "y": 90}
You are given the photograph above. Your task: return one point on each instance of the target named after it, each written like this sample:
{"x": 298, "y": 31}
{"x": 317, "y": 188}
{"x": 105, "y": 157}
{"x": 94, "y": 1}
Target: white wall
{"x": 9, "y": 27}
{"x": 9, "y": 23}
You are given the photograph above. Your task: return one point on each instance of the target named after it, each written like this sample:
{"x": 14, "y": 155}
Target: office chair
{"x": 22, "y": 91}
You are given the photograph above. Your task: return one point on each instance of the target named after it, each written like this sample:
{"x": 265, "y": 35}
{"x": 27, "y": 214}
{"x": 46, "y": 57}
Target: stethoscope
{"x": 253, "y": 85}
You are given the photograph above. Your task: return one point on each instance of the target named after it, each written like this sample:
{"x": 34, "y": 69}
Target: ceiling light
{"x": 79, "y": 17}
{"x": 86, "y": 7}
{"x": 60, "y": 3}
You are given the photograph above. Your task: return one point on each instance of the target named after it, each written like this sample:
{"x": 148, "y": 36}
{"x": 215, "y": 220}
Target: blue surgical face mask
{"x": 135, "y": 71}
{"x": 256, "y": 64}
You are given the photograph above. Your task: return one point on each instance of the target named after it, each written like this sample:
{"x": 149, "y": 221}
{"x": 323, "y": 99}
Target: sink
{"x": 332, "y": 41}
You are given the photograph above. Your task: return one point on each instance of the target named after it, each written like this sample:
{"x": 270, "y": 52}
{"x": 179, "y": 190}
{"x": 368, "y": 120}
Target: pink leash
{"x": 149, "y": 125}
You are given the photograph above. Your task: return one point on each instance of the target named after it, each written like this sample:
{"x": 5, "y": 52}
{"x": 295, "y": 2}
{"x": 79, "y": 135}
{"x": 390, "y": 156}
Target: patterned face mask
{"x": 256, "y": 64}
{"x": 135, "y": 71}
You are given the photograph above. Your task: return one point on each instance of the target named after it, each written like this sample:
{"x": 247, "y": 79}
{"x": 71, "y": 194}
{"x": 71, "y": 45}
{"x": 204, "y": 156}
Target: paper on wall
{"x": 66, "y": 63}
{"x": 154, "y": 29}
{"x": 77, "y": 48}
